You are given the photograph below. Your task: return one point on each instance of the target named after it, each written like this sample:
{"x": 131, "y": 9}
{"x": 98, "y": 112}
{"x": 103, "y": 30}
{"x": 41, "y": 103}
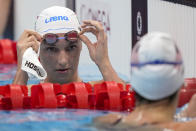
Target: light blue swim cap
{"x": 157, "y": 69}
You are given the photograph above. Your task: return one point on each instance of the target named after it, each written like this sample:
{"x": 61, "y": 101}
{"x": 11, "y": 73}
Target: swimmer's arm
{"x": 20, "y": 78}
{"x": 99, "y": 50}
{"x": 27, "y": 39}
{"x": 108, "y": 73}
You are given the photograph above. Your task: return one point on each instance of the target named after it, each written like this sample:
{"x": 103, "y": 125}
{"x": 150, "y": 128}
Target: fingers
{"x": 27, "y": 36}
{"x": 96, "y": 24}
{"x": 96, "y": 28}
{"x": 33, "y": 44}
{"x": 31, "y": 38}
{"x": 89, "y": 29}
{"x": 86, "y": 41}
{"x": 38, "y": 36}
{"x": 29, "y": 33}
{"x": 26, "y": 42}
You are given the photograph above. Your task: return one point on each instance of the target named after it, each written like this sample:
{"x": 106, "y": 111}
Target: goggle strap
{"x": 61, "y": 38}
{"x": 156, "y": 63}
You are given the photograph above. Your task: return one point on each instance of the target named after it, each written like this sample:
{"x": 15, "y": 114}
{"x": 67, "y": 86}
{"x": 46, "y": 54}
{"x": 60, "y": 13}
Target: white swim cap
{"x": 157, "y": 68}
{"x": 56, "y": 19}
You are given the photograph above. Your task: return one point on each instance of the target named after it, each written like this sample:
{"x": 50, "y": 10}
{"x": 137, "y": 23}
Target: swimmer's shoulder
{"x": 115, "y": 121}
{"x": 180, "y": 126}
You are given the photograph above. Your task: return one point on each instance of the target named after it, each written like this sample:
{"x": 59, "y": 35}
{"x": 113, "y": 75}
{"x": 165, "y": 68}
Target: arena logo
{"x": 87, "y": 13}
{"x": 56, "y": 18}
{"x": 34, "y": 67}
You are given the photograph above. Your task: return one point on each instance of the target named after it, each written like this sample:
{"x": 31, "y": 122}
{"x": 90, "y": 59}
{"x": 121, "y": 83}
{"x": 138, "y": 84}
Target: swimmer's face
{"x": 60, "y": 60}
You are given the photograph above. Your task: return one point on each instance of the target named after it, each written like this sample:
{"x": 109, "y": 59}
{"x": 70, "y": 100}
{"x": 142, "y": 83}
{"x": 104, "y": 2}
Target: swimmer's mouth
{"x": 62, "y": 70}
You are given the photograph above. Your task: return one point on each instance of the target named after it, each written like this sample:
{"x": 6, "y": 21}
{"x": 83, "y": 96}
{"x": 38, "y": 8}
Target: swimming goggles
{"x": 51, "y": 38}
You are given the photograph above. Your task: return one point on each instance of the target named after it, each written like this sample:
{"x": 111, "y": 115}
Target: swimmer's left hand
{"x": 99, "y": 50}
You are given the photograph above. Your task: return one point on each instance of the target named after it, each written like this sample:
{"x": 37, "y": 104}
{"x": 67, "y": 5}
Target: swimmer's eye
{"x": 72, "y": 42}
{"x": 71, "y": 47}
{"x": 51, "y": 49}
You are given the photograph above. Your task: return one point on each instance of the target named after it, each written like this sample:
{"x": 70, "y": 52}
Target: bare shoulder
{"x": 114, "y": 122}
{"x": 187, "y": 126}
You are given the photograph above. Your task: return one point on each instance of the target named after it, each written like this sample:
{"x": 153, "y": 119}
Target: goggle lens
{"x": 53, "y": 38}
{"x": 73, "y": 36}
{"x": 50, "y": 38}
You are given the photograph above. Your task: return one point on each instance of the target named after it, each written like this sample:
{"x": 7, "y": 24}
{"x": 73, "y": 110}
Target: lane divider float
{"x": 105, "y": 96}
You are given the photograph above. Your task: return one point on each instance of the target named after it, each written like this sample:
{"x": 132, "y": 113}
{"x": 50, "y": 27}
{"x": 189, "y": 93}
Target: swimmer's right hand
{"x": 27, "y": 39}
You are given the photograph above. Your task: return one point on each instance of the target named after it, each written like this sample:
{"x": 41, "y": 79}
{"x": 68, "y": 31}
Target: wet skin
{"x": 60, "y": 60}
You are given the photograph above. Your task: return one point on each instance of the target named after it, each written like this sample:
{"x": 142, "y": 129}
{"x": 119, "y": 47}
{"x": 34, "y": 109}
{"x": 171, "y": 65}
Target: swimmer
{"x": 157, "y": 74}
{"x": 61, "y": 36}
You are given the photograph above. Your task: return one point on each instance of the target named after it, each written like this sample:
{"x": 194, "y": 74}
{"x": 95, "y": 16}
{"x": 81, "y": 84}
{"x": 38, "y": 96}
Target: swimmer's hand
{"x": 27, "y": 39}
{"x": 99, "y": 50}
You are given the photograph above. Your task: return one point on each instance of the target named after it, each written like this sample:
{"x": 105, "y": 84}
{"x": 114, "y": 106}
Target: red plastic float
{"x": 187, "y": 91}
{"x": 44, "y": 95}
{"x": 79, "y": 95}
{"x": 104, "y": 96}
{"x": 14, "y": 97}
{"x": 112, "y": 96}
{"x": 8, "y": 54}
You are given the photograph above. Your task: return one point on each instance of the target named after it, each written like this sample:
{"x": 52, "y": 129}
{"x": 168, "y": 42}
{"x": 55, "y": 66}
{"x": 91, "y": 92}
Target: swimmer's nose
{"x": 62, "y": 58}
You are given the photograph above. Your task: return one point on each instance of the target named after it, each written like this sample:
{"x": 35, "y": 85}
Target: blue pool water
{"x": 48, "y": 119}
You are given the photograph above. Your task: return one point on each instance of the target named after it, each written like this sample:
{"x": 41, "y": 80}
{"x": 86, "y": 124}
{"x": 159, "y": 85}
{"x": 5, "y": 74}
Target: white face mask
{"x": 157, "y": 69}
